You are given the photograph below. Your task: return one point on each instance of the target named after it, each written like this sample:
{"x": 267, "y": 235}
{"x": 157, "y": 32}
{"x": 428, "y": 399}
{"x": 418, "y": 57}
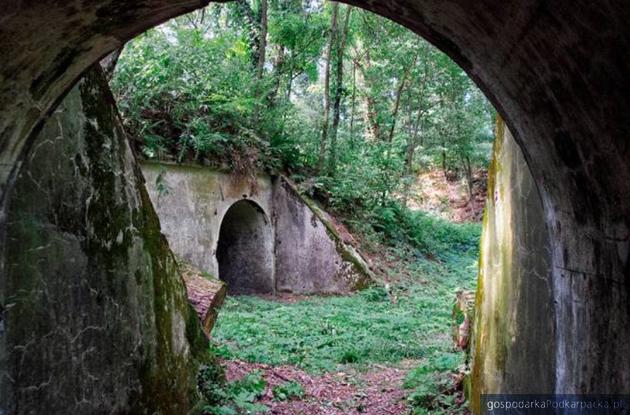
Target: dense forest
{"x": 356, "y": 110}
{"x": 349, "y": 104}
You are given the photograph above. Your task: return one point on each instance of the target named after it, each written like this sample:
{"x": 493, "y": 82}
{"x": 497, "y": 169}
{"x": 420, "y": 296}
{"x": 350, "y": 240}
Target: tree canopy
{"x": 348, "y": 103}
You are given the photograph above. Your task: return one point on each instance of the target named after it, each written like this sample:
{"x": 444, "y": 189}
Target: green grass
{"x": 322, "y": 334}
{"x": 409, "y": 319}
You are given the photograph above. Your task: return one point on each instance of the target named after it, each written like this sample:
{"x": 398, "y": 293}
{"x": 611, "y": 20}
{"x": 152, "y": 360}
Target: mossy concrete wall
{"x": 93, "y": 313}
{"x": 514, "y": 338}
{"x": 192, "y": 201}
{"x": 308, "y": 256}
{"x": 311, "y": 255}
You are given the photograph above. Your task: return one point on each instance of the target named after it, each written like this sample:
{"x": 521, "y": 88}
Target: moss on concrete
{"x": 364, "y": 276}
{"x": 513, "y": 337}
{"x": 92, "y": 287}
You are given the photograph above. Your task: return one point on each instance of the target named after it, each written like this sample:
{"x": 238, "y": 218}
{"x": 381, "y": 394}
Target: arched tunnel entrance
{"x": 555, "y": 71}
{"x": 245, "y": 249}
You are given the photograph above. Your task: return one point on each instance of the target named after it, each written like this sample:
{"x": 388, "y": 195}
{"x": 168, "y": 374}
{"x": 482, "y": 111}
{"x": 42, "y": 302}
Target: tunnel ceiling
{"x": 557, "y": 71}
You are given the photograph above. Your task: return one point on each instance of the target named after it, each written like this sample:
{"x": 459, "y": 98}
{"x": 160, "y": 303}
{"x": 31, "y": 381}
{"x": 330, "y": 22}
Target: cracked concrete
{"x": 94, "y": 310}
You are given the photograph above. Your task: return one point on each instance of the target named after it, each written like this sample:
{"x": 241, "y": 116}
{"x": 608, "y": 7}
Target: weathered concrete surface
{"x": 514, "y": 329}
{"x": 273, "y": 238}
{"x": 94, "y": 317}
{"x": 556, "y": 70}
{"x": 311, "y": 255}
{"x": 192, "y": 201}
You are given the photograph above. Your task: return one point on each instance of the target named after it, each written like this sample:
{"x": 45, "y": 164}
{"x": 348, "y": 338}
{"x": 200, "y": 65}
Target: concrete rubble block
{"x": 205, "y": 293}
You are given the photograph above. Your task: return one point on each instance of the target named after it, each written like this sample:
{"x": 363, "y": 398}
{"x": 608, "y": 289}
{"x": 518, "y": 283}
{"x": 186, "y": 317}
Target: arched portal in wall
{"x": 245, "y": 249}
{"x": 555, "y": 70}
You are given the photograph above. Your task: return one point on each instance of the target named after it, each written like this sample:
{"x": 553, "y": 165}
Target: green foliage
{"x": 429, "y": 383}
{"x": 321, "y": 334}
{"x": 234, "y": 398}
{"x": 409, "y": 319}
{"x": 189, "y": 91}
{"x": 288, "y": 391}
{"x": 433, "y": 236}
{"x": 375, "y": 294}
{"x": 211, "y": 382}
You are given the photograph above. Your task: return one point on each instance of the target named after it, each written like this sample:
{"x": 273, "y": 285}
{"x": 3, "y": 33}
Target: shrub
{"x": 287, "y": 391}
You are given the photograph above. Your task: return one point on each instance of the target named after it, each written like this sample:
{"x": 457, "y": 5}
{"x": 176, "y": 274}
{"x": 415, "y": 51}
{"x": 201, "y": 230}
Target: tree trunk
{"x": 290, "y": 80}
{"x": 331, "y": 41}
{"x": 341, "y": 46}
{"x": 278, "y": 69}
{"x": 399, "y": 92}
{"x": 353, "y": 100}
{"x": 469, "y": 180}
{"x": 415, "y": 133}
{"x": 371, "y": 113}
{"x": 411, "y": 144}
{"x": 262, "y": 44}
{"x": 444, "y": 161}
{"x": 253, "y": 30}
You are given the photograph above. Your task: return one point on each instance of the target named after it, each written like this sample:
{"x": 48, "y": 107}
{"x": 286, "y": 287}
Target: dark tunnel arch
{"x": 245, "y": 249}
{"x": 556, "y": 71}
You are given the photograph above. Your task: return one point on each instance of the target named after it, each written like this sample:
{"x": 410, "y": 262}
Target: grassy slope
{"x": 320, "y": 333}
{"x": 410, "y": 320}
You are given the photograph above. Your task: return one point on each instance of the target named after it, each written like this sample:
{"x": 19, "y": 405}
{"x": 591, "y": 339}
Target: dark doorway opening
{"x": 245, "y": 250}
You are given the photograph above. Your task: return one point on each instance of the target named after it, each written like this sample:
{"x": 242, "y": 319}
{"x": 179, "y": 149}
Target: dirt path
{"x": 377, "y": 392}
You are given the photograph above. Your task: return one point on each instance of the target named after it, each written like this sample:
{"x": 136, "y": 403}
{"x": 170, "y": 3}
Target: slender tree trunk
{"x": 253, "y": 30}
{"x": 371, "y": 113}
{"x": 444, "y": 161}
{"x": 290, "y": 80}
{"x": 412, "y": 143}
{"x": 371, "y": 110}
{"x": 341, "y": 47}
{"x": 353, "y": 100}
{"x": 399, "y": 92}
{"x": 262, "y": 45}
{"x": 469, "y": 179}
{"x": 278, "y": 69}
{"x": 331, "y": 42}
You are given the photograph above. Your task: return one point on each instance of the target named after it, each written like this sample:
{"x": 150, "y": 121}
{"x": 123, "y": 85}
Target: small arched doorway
{"x": 245, "y": 250}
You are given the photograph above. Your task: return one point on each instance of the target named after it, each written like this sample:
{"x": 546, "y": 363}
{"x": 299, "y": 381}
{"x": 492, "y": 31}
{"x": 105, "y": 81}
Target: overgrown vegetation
{"x": 233, "y": 398}
{"x": 351, "y": 106}
{"x": 288, "y": 390}
{"x": 409, "y": 320}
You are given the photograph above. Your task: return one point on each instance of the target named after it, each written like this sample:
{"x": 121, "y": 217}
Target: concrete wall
{"x": 191, "y": 202}
{"x": 308, "y": 256}
{"x": 93, "y": 313}
{"x": 514, "y": 337}
{"x": 556, "y": 69}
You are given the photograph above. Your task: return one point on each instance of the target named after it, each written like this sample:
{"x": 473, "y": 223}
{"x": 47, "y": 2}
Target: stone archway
{"x": 245, "y": 250}
{"x": 556, "y": 71}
